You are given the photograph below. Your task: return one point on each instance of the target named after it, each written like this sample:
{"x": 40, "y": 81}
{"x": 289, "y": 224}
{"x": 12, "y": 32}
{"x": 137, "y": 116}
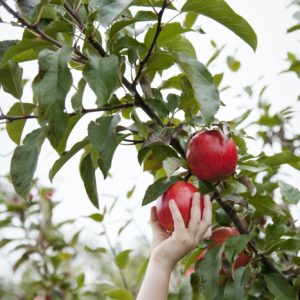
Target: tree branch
{"x": 83, "y": 112}
{"x": 81, "y": 26}
{"x": 243, "y": 230}
{"x": 36, "y": 29}
{"x": 150, "y": 50}
{"x": 130, "y": 86}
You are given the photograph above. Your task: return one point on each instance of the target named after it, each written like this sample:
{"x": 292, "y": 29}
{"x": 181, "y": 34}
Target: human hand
{"x": 168, "y": 248}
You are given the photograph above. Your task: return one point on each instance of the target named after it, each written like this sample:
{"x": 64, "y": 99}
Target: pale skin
{"x": 168, "y": 249}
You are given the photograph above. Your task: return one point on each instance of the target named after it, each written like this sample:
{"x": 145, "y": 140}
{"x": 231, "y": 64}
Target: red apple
{"x": 210, "y": 156}
{"x": 182, "y": 192}
{"x": 218, "y": 237}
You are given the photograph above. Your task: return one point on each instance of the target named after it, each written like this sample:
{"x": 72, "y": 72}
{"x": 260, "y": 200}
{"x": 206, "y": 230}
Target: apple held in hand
{"x": 182, "y": 193}
{"x": 210, "y": 156}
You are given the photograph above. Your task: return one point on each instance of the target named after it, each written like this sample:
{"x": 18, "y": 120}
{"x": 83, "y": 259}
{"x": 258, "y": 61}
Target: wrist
{"x": 162, "y": 262}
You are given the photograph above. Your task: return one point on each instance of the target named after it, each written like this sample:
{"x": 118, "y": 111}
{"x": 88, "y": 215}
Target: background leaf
{"x": 50, "y": 87}
{"x": 158, "y": 188}
{"x": 15, "y": 128}
{"x": 221, "y": 12}
{"x": 203, "y": 86}
{"x": 24, "y": 162}
{"x": 279, "y": 287}
{"x": 105, "y": 140}
{"x": 101, "y": 73}
{"x": 87, "y": 173}
{"x": 11, "y": 79}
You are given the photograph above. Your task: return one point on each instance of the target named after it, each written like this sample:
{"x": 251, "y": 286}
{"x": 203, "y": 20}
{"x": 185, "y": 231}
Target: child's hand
{"x": 168, "y": 249}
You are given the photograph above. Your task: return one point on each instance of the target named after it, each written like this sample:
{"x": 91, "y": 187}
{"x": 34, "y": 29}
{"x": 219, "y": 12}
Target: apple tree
{"x": 153, "y": 93}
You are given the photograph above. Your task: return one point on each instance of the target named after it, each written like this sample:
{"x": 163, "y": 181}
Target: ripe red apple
{"x": 210, "y": 156}
{"x": 182, "y": 192}
{"x": 218, "y": 237}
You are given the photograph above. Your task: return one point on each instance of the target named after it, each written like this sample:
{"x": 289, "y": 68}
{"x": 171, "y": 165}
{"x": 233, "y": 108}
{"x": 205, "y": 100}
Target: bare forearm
{"x": 156, "y": 281}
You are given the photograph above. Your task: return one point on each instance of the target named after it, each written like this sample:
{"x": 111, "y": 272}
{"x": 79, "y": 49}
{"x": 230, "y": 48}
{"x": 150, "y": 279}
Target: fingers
{"x": 176, "y": 215}
{"x": 153, "y": 214}
{"x": 207, "y": 234}
{"x": 155, "y": 225}
{"x": 195, "y": 213}
{"x": 205, "y": 224}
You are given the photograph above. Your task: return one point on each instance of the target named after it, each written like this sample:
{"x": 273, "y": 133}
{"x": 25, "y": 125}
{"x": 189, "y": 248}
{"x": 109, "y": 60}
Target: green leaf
{"x": 156, "y": 189}
{"x": 190, "y": 19}
{"x": 101, "y": 73}
{"x": 66, "y": 156}
{"x": 4, "y": 46}
{"x": 59, "y": 26}
{"x": 50, "y": 88}
{"x": 20, "y": 261}
{"x": 6, "y": 222}
{"x": 122, "y": 259}
{"x": 108, "y": 10}
{"x": 167, "y": 34}
{"x": 26, "y": 49}
{"x": 87, "y": 173}
{"x": 24, "y": 162}
{"x": 235, "y": 245}
{"x": 274, "y": 232}
{"x": 265, "y": 205}
{"x": 159, "y": 61}
{"x": 279, "y": 287}
{"x": 180, "y": 44}
{"x": 206, "y": 278}
{"x": 158, "y": 106}
{"x": 173, "y": 101}
{"x": 119, "y": 294}
{"x": 11, "y": 79}
{"x": 80, "y": 280}
{"x": 215, "y": 55}
{"x": 78, "y": 96}
{"x": 96, "y": 217}
{"x": 170, "y": 39}
{"x": 233, "y": 64}
{"x": 218, "y": 79}
{"x": 174, "y": 82}
{"x": 15, "y": 128}
{"x": 203, "y": 86}
{"x": 72, "y": 121}
{"x": 141, "y": 16}
{"x": 290, "y": 194}
{"x": 95, "y": 250}
{"x": 293, "y": 28}
{"x": 4, "y": 242}
{"x": 105, "y": 140}
{"x": 221, "y": 12}
{"x": 236, "y": 290}
{"x": 285, "y": 157}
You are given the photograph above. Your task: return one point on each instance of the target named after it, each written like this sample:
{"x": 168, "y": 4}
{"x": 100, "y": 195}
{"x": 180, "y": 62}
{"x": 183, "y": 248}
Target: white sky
{"x": 269, "y": 18}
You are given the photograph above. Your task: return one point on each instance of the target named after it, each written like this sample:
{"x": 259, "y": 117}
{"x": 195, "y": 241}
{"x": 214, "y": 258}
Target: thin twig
{"x": 83, "y": 112}
{"x": 34, "y": 27}
{"x": 150, "y": 50}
